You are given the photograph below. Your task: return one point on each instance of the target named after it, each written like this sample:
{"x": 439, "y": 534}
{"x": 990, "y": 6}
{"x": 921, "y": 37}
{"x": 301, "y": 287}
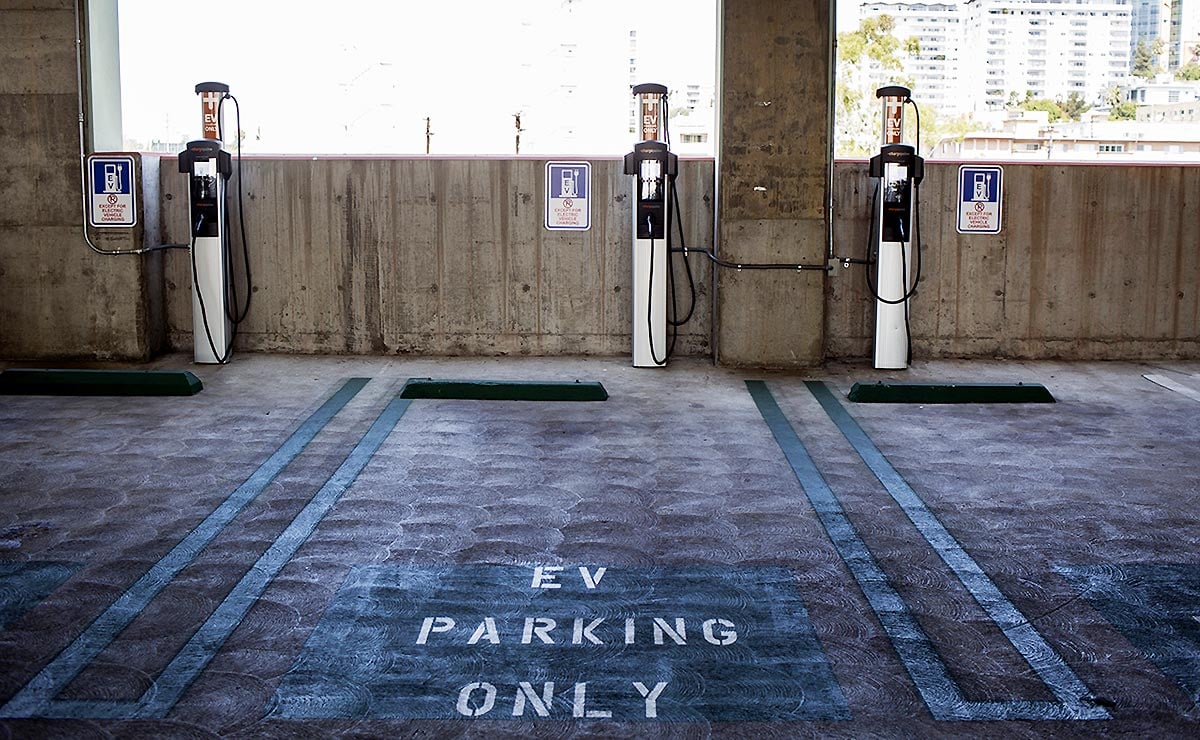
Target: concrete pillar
{"x": 58, "y": 299}
{"x": 772, "y": 171}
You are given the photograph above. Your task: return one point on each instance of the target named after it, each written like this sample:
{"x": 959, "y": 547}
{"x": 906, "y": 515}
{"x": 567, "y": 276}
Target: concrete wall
{"x": 436, "y": 256}
{"x": 774, "y": 158}
{"x": 1093, "y": 262}
{"x": 448, "y": 256}
{"x": 58, "y": 299}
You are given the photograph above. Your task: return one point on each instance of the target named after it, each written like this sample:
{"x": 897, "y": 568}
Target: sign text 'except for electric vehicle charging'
{"x": 980, "y": 190}
{"x": 112, "y": 200}
{"x": 568, "y": 196}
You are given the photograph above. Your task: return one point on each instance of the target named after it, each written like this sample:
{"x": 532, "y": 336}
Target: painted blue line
{"x": 37, "y": 696}
{"x": 926, "y": 669}
{"x": 1070, "y": 691}
{"x": 205, "y": 643}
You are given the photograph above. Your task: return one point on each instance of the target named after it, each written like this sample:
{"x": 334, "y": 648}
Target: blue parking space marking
{"x": 1054, "y": 672}
{"x": 1156, "y": 607}
{"x": 205, "y": 643}
{"x": 23, "y": 585}
{"x": 929, "y": 674}
{"x": 37, "y": 698}
{"x": 495, "y": 642}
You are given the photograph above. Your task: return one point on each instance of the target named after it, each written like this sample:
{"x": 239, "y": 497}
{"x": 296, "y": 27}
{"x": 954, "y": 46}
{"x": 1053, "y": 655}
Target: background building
{"x": 935, "y": 70}
{"x": 1150, "y": 20}
{"x": 1049, "y": 48}
{"x": 1028, "y": 135}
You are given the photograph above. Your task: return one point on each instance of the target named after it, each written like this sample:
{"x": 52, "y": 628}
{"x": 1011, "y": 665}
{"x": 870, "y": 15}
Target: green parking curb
{"x": 933, "y": 393}
{"x": 43, "y": 382}
{"x": 504, "y": 390}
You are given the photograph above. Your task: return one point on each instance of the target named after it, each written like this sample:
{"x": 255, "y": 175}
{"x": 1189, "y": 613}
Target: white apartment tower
{"x": 1051, "y": 48}
{"x": 977, "y": 54}
{"x": 934, "y": 72}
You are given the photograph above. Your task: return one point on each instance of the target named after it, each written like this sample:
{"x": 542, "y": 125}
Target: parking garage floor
{"x": 295, "y": 551}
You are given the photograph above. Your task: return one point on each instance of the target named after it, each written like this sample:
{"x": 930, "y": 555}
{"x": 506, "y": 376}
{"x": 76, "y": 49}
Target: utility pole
{"x": 428, "y": 134}
{"x": 517, "y": 122}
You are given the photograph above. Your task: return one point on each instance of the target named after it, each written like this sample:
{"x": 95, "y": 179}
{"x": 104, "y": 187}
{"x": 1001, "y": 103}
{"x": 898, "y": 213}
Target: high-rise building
{"x": 977, "y": 55}
{"x": 1150, "y": 20}
{"x": 1183, "y": 42}
{"x": 933, "y": 71}
{"x": 1047, "y": 48}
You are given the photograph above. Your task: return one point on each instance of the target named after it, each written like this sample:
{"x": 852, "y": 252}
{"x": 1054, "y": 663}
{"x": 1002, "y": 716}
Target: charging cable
{"x": 221, "y": 358}
{"x": 237, "y": 315}
{"x": 650, "y": 300}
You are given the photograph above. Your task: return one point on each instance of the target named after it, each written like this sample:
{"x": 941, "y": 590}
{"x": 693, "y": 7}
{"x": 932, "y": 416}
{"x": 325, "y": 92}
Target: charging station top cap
{"x": 649, "y": 88}
{"x": 214, "y": 87}
{"x": 893, "y": 91}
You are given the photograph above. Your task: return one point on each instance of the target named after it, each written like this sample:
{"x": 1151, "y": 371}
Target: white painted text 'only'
{"x": 478, "y": 698}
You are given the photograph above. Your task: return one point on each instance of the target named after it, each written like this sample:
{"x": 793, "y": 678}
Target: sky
{"x": 361, "y": 76}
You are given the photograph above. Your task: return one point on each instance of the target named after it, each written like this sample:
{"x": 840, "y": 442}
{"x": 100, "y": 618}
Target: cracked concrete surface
{"x": 677, "y": 470}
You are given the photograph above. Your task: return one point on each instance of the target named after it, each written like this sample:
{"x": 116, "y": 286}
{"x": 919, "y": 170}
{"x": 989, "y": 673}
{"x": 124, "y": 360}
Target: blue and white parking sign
{"x": 980, "y": 189}
{"x": 112, "y": 198}
{"x": 568, "y": 193}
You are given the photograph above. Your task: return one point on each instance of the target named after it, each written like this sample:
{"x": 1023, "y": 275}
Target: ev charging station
{"x": 899, "y": 170}
{"x": 209, "y": 167}
{"x": 654, "y": 167}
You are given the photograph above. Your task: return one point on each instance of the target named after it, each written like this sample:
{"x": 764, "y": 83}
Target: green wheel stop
{"x": 504, "y": 390}
{"x": 934, "y": 393}
{"x": 42, "y": 382}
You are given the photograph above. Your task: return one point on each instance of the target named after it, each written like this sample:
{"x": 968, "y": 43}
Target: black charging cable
{"x": 221, "y": 358}
{"x": 232, "y": 311}
{"x": 687, "y": 265}
{"x": 650, "y": 300}
{"x": 873, "y": 246}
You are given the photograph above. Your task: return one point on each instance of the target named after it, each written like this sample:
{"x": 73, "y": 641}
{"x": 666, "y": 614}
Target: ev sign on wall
{"x": 111, "y": 195}
{"x": 568, "y": 189}
{"x": 980, "y": 188}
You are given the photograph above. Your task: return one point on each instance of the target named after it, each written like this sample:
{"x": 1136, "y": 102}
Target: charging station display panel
{"x": 980, "y": 190}
{"x": 112, "y": 198}
{"x": 568, "y": 196}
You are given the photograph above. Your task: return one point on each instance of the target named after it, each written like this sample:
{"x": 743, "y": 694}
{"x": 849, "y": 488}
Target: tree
{"x": 1074, "y": 107}
{"x": 955, "y": 128}
{"x": 1144, "y": 59}
{"x": 1189, "y": 72}
{"x": 868, "y": 58}
{"x": 1126, "y": 111}
{"x": 1051, "y": 107}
